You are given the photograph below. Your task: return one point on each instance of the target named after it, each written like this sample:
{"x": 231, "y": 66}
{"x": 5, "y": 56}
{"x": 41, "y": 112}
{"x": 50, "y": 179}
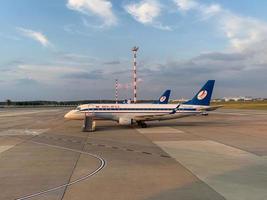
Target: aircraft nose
{"x": 68, "y": 115}
{"x": 74, "y": 115}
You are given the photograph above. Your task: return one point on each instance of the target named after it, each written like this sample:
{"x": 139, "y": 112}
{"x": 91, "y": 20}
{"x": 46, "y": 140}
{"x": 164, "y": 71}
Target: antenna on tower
{"x": 134, "y": 50}
{"x": 116, "y": 90}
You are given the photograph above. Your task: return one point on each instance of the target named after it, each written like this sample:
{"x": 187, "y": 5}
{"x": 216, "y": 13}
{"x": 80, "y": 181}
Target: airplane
{"x": 78, "y": 115}
{"x": 128, "y": 114}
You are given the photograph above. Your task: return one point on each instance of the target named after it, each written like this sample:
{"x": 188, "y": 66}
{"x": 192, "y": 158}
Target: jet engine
{"x": 125, "y": 121}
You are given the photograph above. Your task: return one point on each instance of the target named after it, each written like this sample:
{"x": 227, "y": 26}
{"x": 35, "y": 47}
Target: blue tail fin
{"x": 203, "y": 96}
{"x": 164, "y": 98}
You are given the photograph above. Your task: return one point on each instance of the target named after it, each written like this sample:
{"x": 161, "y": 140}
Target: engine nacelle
{"x": 125, "y": 121}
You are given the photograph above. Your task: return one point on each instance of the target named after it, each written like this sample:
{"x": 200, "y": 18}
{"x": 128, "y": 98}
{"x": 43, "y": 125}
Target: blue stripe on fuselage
{"x": 138, "y": 109}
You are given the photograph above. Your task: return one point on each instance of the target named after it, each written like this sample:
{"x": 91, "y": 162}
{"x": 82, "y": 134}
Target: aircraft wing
{"x": 162, "y": 117}
{"x": 211, "y": 108}
{"x": 149, "y": 117}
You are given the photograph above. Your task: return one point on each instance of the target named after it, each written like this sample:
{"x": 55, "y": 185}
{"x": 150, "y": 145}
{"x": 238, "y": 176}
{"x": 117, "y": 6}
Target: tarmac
{"x": 215, "y": 157}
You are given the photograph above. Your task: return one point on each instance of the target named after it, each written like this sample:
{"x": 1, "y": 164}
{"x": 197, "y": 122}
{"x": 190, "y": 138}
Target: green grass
{"x": 253, "y": 105}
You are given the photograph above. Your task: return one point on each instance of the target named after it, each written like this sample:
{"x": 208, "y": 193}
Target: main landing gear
{"x": 205, "y": 114}
{"x": 142, "y": 124}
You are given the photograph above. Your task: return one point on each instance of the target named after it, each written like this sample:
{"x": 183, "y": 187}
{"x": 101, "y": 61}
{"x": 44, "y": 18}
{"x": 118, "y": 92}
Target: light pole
{"x": 134, "y": 50}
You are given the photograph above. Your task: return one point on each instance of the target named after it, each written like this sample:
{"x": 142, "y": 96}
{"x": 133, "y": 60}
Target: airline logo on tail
{"x": 162, "y": 99}
{"x": 202, "y": 94}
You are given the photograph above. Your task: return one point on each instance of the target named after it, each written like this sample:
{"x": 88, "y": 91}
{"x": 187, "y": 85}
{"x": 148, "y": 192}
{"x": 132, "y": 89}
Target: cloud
{"x": 239, "y": 73}
{"x": 124, "y": 86}
{"x": 128, "y": 86}
{"x": 71, "y": 59}
{"x": 115, "y": 62}
{"x": 35, "y": 35}
{"x": 93, "y": 75}
{"x": 26, "y": 82}
{"x": 49, "y": 74}
{"x": 239, "y": 68}
{"x": 186, "y": 4}
{"x": 10, "y": 37}
{"x": 242, "y": 32}
{"x": 75, "y": 30}
{"x": 146, "y": 12}
{"x": 218, "y": 56}
{"x": 99, "y": 8}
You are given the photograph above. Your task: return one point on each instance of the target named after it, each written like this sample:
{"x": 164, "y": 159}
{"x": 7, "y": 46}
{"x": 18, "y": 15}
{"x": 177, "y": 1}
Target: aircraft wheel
{"x": 143, "y": 125}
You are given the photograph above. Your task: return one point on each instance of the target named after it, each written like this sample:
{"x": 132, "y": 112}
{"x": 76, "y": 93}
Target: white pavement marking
{"x": 5, "y": 148}
{"x": 8, "y": 143}
{"x": 19, "y": 132}
{"x": 228, "y": 113}
{"x": 100, "y": 167}
{"x": 235, "y": 174}
{"x": 162, "y": 129}
{"x": 18, "y": 112}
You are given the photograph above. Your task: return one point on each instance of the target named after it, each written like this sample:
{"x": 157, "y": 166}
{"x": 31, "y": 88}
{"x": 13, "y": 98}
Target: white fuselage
{"x": 134, "y": 111}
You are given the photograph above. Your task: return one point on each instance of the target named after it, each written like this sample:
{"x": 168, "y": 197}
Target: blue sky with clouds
{"x": 74, "y": 49}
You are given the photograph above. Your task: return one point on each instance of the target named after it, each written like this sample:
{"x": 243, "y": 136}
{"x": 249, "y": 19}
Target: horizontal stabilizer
{"x": 211, "y": 108}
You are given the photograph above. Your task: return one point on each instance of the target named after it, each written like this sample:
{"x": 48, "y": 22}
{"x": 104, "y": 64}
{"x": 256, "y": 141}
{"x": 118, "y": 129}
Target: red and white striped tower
{"x": 134, "y": 50}
{"x": 116, "y": 90}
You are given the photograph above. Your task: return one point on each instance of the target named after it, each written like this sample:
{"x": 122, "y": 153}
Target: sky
{"x": 75, "y": 49}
